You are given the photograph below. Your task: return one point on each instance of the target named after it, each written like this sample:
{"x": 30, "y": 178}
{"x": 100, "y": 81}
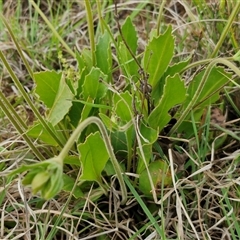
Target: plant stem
{"x": 90, "y": 30}
{"x": 200, "y": 88}
{"x": 100, "y": 15}
{"x": 16, "y": 122}
{"x": 20, "y": 52}
{"x": 201, "y": 62}
{"x": 107, "y": 142}
{"x": 226, "y": 30}
{"x": 160, "y": 14}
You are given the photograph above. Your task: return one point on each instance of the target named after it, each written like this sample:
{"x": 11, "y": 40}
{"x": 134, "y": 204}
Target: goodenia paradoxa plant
{"x": 53, "y": 90}
{"x": 206, "y": 88}
{"x": 58, "y": 95}
{"x": 47, "y": 176}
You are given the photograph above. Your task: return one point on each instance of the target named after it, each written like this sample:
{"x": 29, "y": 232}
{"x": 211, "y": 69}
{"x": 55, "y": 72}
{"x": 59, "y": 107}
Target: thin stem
{"x": 200, "y": 88}
{"x": 107, "y": 142}
{"x": 226, "y": 30}
{"x": 100, "y": 16}
{"x": 11, "y": 109}
{"x": 160, "y": 14}
{"x": 26, "y": 64}
{"x": 17, "y": 124}
{"x": 201, "y": 62}
{"x": 90, "y": 30}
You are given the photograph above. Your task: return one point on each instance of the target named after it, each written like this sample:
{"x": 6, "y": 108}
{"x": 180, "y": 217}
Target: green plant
{"x": 140, "y": 108}
{"x": 130, "y": 113}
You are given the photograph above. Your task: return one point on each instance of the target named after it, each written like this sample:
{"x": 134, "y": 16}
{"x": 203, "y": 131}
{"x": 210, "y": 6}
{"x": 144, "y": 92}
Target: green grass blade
{"x": 69, "y": 50}
{"x": 144, "y": 207}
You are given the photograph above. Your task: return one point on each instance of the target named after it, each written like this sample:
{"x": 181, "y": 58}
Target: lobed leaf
{"x": 92, "y": 87}
{"x": 174, "y": 92}
{"x": 158, "y": 55}
{"x": 62, "y": 103}
{"x": 47, "y": 85}
{"x": 104, "y": 54}
{"x": 130, "y": 36}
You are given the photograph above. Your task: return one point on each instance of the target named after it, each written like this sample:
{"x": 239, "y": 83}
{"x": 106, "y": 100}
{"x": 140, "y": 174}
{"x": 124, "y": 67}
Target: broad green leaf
{"x": 210, "y": 93}
{"x": 75, "y": 112}
{"x": 85, "y": 65}
{"x": 123, "y": 104}
{"x": 177, "y": 67}
{"x": 93, "y": 157}
{"x": 86, "y": 59}
{"x": 69, "y": 184}
{"x": 127, "y": 60}
{"x": 81, "y": 81}
{"x": 80, "y": 61}
{"x": 62, "y": 103}
{"x": 47, "y": 85}
{"x": 158, "y": 55}
{"x": 104, "y": 53}
{"x": 37, "y": 131}
{"x": 171, "y": 71}
{"x": 93, "y": 87}
{"x": 148, "y": 133}
{"x": 130, "y": 134}
{"x": 72, "y": 160}
{"x": 174, "y": 92}
{"x": 130, "y": 34}
{"x": 70, "y": 81}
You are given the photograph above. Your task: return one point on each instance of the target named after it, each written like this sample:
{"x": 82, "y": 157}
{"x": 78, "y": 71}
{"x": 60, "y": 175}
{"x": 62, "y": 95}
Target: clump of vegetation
{"x": 126, "y": 118}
